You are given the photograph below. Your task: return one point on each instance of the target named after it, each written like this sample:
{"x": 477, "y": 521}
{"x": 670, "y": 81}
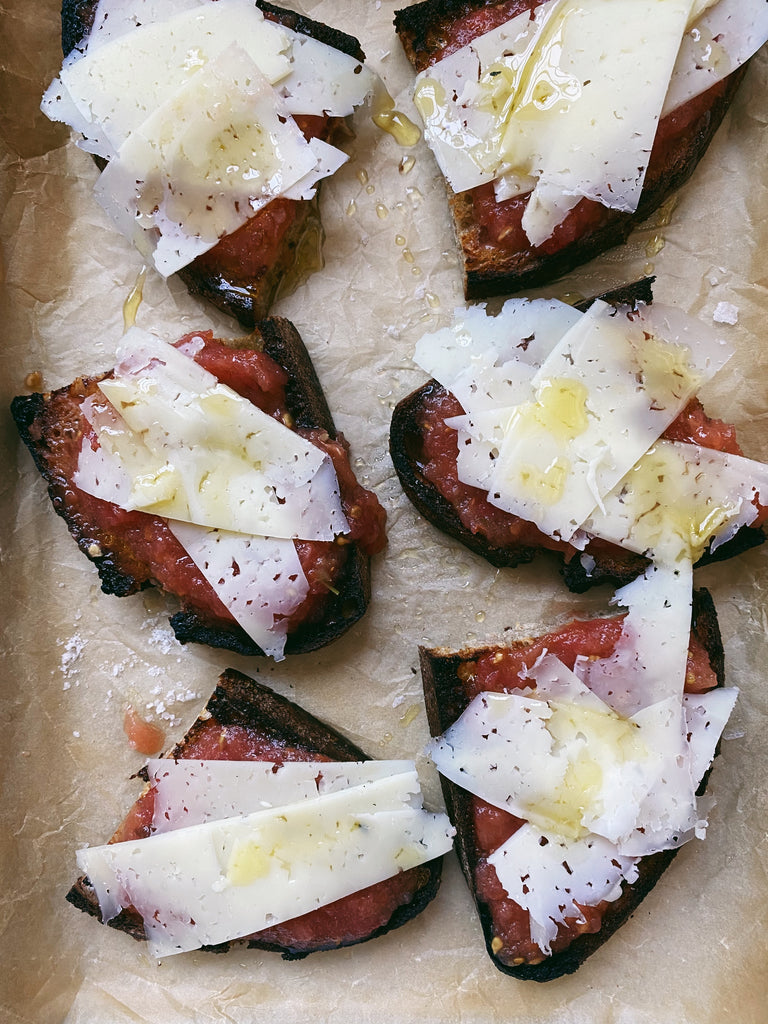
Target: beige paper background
{"x": 696, "y": 951}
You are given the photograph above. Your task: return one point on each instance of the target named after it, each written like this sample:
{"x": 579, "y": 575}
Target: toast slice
{"x": 451, "y": 678}
{"x": 278, "y": 247}
{"x": 497, "y": 257}
{"x": 420, "y": 443}
{"x": 133, "y": 550}
{"x": 244, "y": 720}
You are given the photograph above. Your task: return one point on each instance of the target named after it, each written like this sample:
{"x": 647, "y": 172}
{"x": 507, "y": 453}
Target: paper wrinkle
{"x": 390, "y": 274}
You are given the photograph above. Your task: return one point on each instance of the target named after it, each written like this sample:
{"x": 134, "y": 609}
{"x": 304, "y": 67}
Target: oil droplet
{"x": 408, "y": 256}
{"x": 351, "y": 208}
{"x": 655, "y": 245}
{"x": 400, "y": 240}
{"x": 480, "y": 617}
{"x": 406, "y": 164}
{"x": 132, "y": 303}
{"x": 571, "y": 298}
{"x": 394, "y": 122}
{"x": 370, "y": 189}
{"x": 416, "y": 271}
{"x": 648, "y": 269}
{"x": 410, "y": 714}
{"x": 381, "y": 211}
{"x": 362, "y": 176}
{"x": 33, "y": 381}
{"x": 432, "y": 300}
{"x": 665, "y": 211}
{"x": 415, "y": 196}
{"x": 308, "y": 256}
{"x": 386, "y": 738}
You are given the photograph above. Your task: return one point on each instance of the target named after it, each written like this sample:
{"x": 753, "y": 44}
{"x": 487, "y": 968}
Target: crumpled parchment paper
{"x": 696, "y": 951}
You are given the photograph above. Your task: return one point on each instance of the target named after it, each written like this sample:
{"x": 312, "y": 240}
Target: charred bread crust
{"x": 249, "y": 295}
{"x": 490, "y": 270}
{"x": 316, "y": 29}
{"x": 445, "y": 701}
{"x": 306, "y": 403}
{"x": 612, "y": 565}
{"x": 241, "y": 701}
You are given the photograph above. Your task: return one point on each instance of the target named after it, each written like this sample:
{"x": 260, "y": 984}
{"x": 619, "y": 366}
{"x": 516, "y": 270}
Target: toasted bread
{"x": 244, "y": 720}
{"x": 515, "y": 541}
{"x": 279, "y": 246}
{"x": 497, "y": 257}
{"x": 448, "y": 679}
{"x": 121, "y": 545}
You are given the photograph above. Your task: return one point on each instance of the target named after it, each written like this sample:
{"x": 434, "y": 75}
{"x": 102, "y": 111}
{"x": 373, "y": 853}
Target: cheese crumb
{"x": 725, "y": 313}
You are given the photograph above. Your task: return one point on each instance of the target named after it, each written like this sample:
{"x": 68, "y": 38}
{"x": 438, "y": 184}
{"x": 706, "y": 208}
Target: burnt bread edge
{"x": 445, "y": 700}
{"x": 242, "y": 701}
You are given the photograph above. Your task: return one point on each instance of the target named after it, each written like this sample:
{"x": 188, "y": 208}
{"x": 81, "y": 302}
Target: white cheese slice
{"x": 225, "y": 879}
{"x": 321, "y": 79}
{"x": 600, "y": 399}
{"x": 549, "y": 876}
{"x": 113, "y": 18}
{"x": 565, "y": 766}
{"x": 119, "y": 84}
{"x": 187, "y": 169}
{"x": 189, "y": 791}
{"x": 706, "y": 715}
{"x": 649, "y": 662}
{"x": 488, "y": 361}
{"x": 324, "y": 80}
{"x": 723, "y": 38}
{"x": 259, "y": 580}
{"x": 190, "y": 448}
{"x": 677, "y": 499}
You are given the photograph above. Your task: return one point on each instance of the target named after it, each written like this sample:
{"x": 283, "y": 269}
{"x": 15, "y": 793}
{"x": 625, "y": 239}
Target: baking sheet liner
{"x": 696, "y": 950}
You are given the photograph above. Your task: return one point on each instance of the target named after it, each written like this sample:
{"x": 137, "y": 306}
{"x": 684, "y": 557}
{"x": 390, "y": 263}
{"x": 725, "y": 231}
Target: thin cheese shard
{"x": 551, "y": 877}
{"x": 259, "y": 580}
{"x": 228, "y": 878}
{"x": 189, "y": 791}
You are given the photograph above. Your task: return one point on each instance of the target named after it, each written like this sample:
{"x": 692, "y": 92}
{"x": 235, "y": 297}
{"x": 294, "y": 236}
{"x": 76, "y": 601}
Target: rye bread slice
{"x": 41, "y": 424}
{"x": 612, "y": 564}
{"x": 280, "y": 246}
{"x": 429, "y": 29}
{"x": 240, "y": 703}
{"x": 442, "y": 670}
